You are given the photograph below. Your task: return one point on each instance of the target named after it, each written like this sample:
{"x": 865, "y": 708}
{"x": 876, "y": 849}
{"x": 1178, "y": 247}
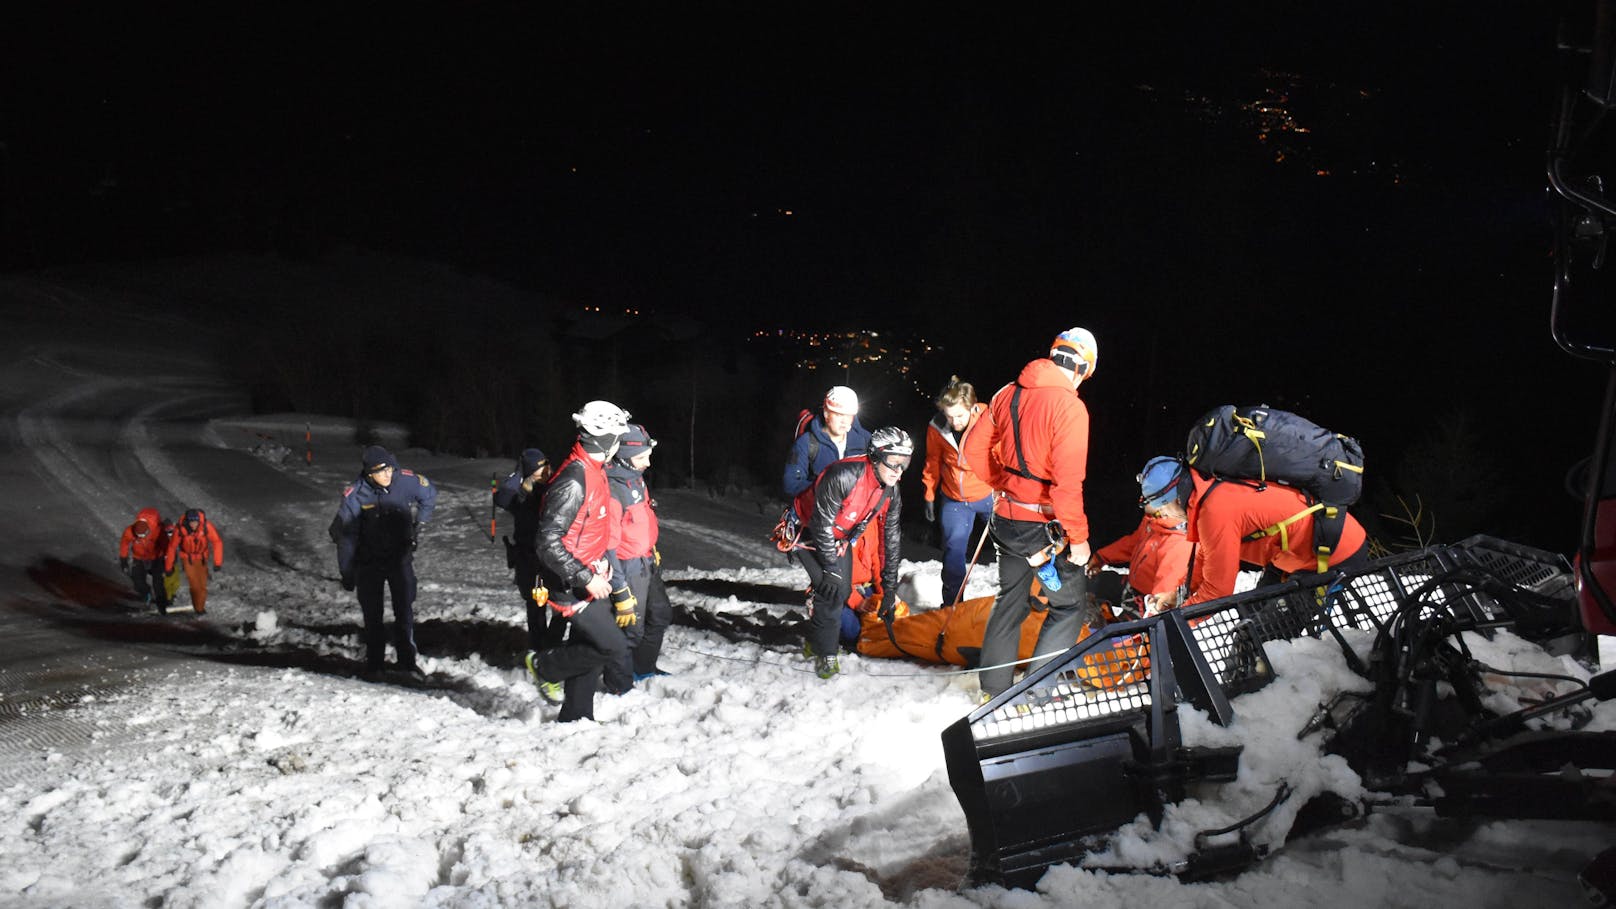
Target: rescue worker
{"x": 141, "y": 551}
{"x": 377, "y": 529}
{"x": 1267, "y": 525}
{"x": 577, "y": 570}
{"x": 195, "y": 541}
{"x": 835, "y": 434}
{"x": 849, "y": 496}
{"x": 966, "y": 498}
{"x": 1031, "y": 446}
{"x": 521, "y": 494}
{"x": 635, "y": 511}
{"x": 1157, "y": 553}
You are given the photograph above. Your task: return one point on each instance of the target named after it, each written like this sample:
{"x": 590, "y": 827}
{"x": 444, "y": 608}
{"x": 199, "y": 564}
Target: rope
{"x": 879, "y": 675}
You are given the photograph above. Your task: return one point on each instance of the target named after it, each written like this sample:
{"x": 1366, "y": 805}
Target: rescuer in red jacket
{"x": 577, "y": 535}
{"x": 1032, "y": 447}
{"x": 140, "y": 554}
{"x": 195, "y": 543}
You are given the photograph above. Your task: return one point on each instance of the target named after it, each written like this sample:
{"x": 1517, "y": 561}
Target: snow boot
{"x": 826, "y": 666}
{"x": 552, "y": 692}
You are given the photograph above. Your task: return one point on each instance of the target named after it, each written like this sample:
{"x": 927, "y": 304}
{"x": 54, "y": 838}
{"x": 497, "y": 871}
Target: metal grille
{"x": 1104, "y": 677}
{"x": 1107, "y": 676}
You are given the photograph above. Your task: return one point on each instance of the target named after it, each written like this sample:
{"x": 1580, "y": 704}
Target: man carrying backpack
{"x": 824, "y": 440}
{"x": 1270, "y": 488}
{"x": 1031, "y": 446}
{"x": 194, "y": 543}
{"x": 1268, "y": 524}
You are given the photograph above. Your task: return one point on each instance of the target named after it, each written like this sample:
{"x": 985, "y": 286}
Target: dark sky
{"x": 981, "y": 177}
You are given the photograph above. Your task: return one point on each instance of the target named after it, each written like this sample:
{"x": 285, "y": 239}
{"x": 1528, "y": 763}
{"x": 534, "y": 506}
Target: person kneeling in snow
{"x": 1156, "y": 553}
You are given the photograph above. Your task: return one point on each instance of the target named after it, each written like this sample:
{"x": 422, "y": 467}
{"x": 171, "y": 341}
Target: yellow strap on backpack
{"x": 1283, "y": 528}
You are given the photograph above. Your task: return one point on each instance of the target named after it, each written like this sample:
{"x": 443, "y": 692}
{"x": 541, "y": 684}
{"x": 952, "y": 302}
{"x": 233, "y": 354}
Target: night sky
{"x": 1337, "y": 208}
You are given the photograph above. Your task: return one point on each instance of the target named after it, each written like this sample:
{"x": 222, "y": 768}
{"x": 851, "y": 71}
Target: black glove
{"x": 888, "y": 609}
{"x": 829, "y": 586}
{"x": 347, "y": 582}
{"x": 931, "y": 511}
{"x": 218, "y": 569}
{"x": 123, "y": 562}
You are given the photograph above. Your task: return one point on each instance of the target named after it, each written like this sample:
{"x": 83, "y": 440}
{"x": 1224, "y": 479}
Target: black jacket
{"x": 830, "y": 491}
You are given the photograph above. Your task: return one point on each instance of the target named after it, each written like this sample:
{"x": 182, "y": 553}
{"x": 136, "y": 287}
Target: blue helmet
{"x": 1159, "y": 482}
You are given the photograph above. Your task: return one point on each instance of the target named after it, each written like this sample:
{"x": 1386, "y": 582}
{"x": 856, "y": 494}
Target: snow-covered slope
{"x": 236, "y": 759}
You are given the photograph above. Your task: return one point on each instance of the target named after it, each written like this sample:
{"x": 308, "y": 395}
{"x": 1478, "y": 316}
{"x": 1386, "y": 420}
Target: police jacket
{"x": 1042, "y": 476}
{"x": 524, "y": 509}
{"x": 945, "y": 472}
{"x": 377, "y": 524}
{"x": 631, "y": 503}
{"x": 801, "y": 470}
{"x": 576, "y": 527}
{"x": 847, "y": 497}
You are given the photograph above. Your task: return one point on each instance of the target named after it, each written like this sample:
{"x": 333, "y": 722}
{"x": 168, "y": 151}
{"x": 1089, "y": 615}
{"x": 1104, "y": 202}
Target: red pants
{"x": 196, "y": 573}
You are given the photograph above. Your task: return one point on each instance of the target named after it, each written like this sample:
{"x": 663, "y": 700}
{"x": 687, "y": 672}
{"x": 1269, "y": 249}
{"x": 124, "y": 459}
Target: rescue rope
{"x": 879, "y": 675}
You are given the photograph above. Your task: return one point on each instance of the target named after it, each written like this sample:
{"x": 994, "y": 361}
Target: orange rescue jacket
{"x": 945, "y": 470}
{"x": 1157, "y": 555}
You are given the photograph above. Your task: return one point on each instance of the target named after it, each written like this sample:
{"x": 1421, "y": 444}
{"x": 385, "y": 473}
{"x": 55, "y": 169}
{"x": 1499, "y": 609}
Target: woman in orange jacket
{"x": 194, "y": 541}
{"x": 966, "y": 497}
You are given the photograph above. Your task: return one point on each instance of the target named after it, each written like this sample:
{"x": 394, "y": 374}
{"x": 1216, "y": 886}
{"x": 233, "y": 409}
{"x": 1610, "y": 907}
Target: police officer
{"x": 376, "y": 530}
{"x": 522, "y": 494}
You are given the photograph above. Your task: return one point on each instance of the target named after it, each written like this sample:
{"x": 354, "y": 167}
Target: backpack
{"x": 803, "y": 420}
{"x": 1264, "y": 445}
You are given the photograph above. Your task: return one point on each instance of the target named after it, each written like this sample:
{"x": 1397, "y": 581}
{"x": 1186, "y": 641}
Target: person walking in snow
{"x": 637, "y": 553}
{"x": 194, "y": 543}
{"x": 377, "y": 529}
{"x": 1032, "y": 447}
{"x": 578, "y": 532}
{"x": 522, "y": 494}
{"x": 141, "y": 549}
{"x": 1157, "y": 553}
{"x": 965, "y": 497}
{"x": 851, "y": 495}
{"x": 833, "y": 435}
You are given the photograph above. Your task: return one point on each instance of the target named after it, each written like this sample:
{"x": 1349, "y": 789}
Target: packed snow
{"x": 238, "y": 759}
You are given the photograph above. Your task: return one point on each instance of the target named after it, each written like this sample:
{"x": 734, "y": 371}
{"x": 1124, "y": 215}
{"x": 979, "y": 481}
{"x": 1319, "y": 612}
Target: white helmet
{"x": 1076, "y": 349}
{"x": 888, "y": 441}
{"x": 601, "y": 418}
{"x": 843, "y": 400}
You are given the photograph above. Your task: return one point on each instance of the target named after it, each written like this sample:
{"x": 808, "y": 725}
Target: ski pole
{"x": 493, "y": 507}
{"x": 967, "y": 579}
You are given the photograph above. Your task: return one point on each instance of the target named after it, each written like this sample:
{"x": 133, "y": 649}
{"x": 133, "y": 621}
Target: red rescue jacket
{"x": 1054, "y": 430}
{"x": 143, "y": 539}
{"x": 1157, "y": 555}
{"x": 1220, "y": 521}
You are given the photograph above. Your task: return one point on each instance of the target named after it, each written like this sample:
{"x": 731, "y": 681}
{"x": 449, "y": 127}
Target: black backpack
{"x": 1262, "y": 445}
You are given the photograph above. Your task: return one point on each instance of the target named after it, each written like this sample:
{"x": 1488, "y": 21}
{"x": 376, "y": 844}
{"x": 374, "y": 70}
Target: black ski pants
{"x": 398, "y": 575}
{"x": 825, "y": 612}
{"x": 147, "y": 576}
{"x": 1069, "y": 607}
{"x": 545, "y": 628}
{"x": 593, "y": 642}
{"x": 656, "y": 615}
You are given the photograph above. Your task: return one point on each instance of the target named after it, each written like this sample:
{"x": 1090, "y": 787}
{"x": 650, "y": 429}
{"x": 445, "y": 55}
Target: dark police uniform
{"x": 375, "y": 531}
